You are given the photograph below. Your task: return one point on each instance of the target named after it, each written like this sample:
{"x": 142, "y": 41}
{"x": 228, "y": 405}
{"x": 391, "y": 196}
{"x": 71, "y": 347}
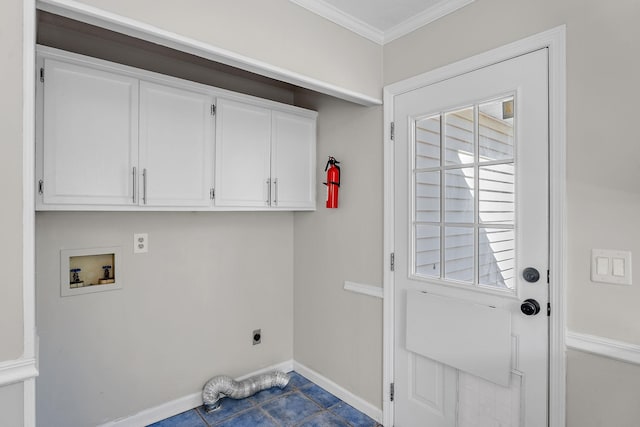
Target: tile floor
{"x": 301, "y": 404}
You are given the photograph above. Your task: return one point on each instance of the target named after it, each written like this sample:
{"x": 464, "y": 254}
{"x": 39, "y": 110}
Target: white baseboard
{"x": 340, "y": 392}
{"x": 182, "y": 404}
{"x": 185, "y": 403}
{"x": 618, "y": 350}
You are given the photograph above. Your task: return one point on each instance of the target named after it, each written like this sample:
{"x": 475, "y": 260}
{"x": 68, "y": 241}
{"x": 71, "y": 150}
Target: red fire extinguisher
{"x": 333, "y": 182}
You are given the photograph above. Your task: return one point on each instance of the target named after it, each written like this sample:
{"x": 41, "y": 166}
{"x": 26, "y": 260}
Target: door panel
{"x": 471, "y": 213}
{"x": 90, "y": 135}
{"x": 292, "y": 161}
{"x": 176, "y": 146}
{"x": 243, "y": 154}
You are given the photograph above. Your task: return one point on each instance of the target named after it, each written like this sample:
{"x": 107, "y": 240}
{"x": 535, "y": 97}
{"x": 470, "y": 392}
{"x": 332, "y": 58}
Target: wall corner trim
{"x": 601, "y": 346}
{"x": 19, "y": 370}
{"x": 361, "y": 288}
{"x": 121, "y": 24}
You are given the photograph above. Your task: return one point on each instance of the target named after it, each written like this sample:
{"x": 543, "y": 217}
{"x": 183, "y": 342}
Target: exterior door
{"x": 471, "y": 249}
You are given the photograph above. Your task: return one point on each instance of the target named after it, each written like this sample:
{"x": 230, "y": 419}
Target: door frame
{"x": 555, "y": 41}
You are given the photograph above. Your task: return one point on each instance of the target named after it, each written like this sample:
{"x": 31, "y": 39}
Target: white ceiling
{"x": 382, "y": 20}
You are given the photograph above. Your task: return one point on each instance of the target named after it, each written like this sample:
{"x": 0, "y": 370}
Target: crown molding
{"x": 335, "y": 15}
{"x": 434, "y": 13}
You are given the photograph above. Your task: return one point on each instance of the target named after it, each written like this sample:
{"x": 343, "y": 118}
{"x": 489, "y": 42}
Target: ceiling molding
{"x": 435, "y": 12}
{"x": 337, "y": 16}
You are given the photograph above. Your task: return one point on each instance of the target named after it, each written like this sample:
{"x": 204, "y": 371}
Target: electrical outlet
{"x": 257, "y": 336}
{"x": 140, "y": 243}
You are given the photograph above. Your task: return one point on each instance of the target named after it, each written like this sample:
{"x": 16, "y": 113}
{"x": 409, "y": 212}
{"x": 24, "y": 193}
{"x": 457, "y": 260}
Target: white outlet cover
{"x": 140, "y": 243}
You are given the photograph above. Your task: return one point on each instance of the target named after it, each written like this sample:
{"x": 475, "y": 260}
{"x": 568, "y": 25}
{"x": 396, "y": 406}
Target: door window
{"x": 463, "y": 200}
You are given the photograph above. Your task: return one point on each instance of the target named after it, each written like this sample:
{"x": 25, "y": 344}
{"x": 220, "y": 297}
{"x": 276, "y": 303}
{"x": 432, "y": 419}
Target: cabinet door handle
{"x": 144, "y": 186}
{"x": 135, "y": 184}
{"x": 275, "y": 198}
{"x": 268, "y": 191}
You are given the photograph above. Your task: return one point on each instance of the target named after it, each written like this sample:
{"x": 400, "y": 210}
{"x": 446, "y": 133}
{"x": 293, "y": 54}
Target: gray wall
{"x": 617, "y": 381}
{"x": 339, "y": 333}
{"x": 278, "y": 32}
{"x": 186, "y": 312}
{"x": 11, "y": 319}
{"x": 11, "y": 334}
{"x": 602, "y": 172}
{"x": 11, "y": 410}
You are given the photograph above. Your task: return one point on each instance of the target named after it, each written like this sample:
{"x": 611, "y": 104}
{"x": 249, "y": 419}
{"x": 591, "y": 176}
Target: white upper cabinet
{"x": 293, "y": 159}
{"x": 176, "y": 146}
{"x": 112, "y": 137}
{"x": 243, "y": 145}
{"x": 264, "y": 157}
{"x": 90, "y": 133}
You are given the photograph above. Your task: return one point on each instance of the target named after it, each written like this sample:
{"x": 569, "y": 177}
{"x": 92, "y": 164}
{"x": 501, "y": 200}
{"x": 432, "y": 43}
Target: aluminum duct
{"x": 223, "y": 386}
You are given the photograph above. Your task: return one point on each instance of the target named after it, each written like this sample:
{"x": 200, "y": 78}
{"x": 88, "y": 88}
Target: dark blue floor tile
{"x": 291, "y": 408}
{"x": 185, "y": 419}
{"x": 296, "y": 380}
{"x": 270, "y": 393}
{"x": 319, "y": 395}
{"x": 229, "y": 407}
{"x": 251, "y": 418}
{"x": 352, "y": 415}
{"x": 324, "y": 419}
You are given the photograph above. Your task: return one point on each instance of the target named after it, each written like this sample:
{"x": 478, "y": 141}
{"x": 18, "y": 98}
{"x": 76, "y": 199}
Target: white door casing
{"x": 462, "y": 249}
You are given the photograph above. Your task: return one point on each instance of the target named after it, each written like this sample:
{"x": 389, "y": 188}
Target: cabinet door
{"x": 243, "y": 138}
{"x": 176, "y": 146}
{"x": 293, "y": 157}
{"x": 90, "y": 135}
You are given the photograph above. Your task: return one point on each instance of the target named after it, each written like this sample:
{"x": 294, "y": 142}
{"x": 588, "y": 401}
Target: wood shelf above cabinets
{"x": 112, "y": 137}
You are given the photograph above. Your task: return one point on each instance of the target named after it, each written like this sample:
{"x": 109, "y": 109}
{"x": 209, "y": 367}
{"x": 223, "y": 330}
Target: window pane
{"x": 495, "y": 130}
{"x": 459, "y": 137}
{"x": 496, "y": 258}
{"x": 428, "y": 197}
{"x": 427, "y": 251}
{"x": 458, "y": 254}
{"x": 428, "y": 142}
{"x": 459, "y": 195}
{"x": 496, "y": 195}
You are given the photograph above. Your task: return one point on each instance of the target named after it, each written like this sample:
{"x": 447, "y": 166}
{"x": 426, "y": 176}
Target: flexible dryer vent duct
{"x": 218, "y": 387}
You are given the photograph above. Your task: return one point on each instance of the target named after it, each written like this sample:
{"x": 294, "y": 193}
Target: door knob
{"x": 530, "y": 307}
{"x": 531, "y": 275}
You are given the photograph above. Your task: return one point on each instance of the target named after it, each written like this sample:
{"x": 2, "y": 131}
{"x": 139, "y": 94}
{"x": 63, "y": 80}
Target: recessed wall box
{"x": 85, "y": 271}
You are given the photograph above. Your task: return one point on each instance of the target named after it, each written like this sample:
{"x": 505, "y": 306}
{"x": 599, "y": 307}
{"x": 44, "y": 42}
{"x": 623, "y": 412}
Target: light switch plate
{"x": 611, "y": 266}
{"x": 140, "y": 243}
